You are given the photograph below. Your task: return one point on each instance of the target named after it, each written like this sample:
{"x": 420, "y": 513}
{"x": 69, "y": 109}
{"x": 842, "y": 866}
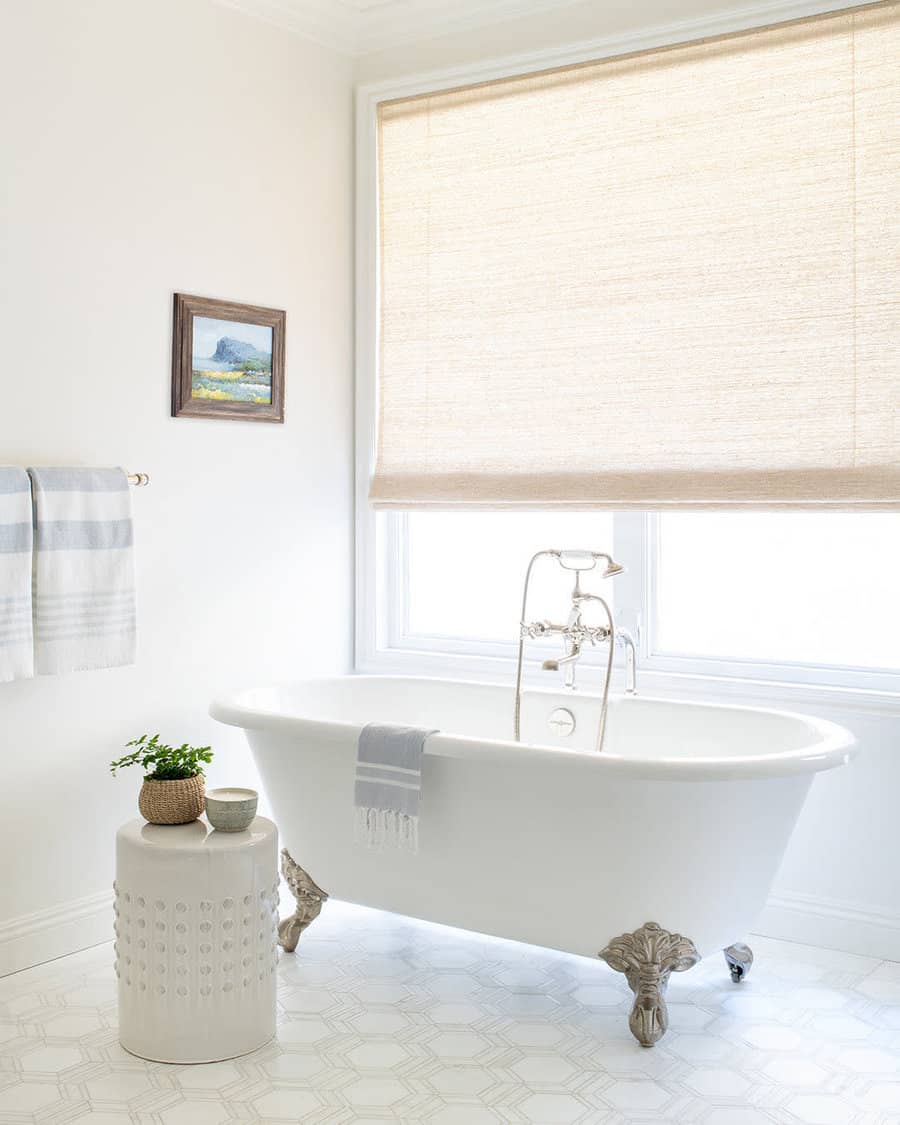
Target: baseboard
{"x": 827, "y": 923}
{"x": 832, "y": 924}
{"x": 47, "y": 934}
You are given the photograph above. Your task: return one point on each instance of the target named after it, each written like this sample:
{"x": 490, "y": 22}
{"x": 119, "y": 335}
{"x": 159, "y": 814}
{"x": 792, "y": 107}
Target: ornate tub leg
{"x": 739, "y": 958}
{"x": 308, "y": 897}
{"x": 647, "y": 957}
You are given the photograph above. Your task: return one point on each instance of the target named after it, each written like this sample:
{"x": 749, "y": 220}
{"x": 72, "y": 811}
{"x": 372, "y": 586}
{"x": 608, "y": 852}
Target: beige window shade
{"x": 666, "y": 279}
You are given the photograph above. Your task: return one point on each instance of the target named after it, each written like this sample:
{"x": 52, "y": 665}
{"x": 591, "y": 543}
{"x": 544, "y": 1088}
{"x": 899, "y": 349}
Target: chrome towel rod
{"x": 139, "y": 480}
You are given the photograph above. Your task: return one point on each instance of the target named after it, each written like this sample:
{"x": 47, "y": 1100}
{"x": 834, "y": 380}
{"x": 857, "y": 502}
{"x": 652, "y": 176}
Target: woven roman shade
{"x": 668, "y": 279}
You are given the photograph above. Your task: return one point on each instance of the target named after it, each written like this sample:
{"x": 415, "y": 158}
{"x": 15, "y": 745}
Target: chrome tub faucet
{"x": 575, "y": 633}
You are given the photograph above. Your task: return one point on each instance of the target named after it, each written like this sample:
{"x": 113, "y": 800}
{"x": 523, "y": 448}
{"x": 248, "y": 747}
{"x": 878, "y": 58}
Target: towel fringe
{"x": 387, "y": 828}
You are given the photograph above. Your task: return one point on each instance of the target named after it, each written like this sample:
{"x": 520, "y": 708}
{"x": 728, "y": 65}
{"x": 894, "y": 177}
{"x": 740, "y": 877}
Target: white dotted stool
{"x": 196, "y": 939}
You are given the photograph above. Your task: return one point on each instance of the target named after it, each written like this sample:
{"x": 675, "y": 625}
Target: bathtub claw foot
{"x": 648, "y": 957}
{"x": 308, "y": 898}
{"x": 739, "y": 958}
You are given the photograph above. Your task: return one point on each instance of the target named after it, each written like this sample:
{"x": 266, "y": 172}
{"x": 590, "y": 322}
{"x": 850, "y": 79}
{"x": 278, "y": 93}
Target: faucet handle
{"x": 535, "y": 629}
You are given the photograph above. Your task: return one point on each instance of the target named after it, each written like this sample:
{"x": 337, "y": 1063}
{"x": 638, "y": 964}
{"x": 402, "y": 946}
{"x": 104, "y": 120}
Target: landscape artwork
{"x": 230, "y": 361}
{"x": 227, "y": 360}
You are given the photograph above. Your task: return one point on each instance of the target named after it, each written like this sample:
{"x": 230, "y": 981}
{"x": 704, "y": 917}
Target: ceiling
{"x": 359, "y": 26}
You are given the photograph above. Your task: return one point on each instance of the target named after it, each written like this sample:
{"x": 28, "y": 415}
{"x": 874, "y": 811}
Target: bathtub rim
{"x": 835, "y": 745}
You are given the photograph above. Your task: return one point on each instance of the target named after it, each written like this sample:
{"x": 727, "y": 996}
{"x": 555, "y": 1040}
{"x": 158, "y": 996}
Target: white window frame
{"x": 382, "y": 642}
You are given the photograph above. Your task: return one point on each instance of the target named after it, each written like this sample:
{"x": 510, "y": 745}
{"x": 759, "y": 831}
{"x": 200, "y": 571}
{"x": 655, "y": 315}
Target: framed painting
{"x": 227, "y": 360}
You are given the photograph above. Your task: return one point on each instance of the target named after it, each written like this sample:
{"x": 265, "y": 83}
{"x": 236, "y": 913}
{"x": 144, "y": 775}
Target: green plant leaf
{"x": 162, "y": 762}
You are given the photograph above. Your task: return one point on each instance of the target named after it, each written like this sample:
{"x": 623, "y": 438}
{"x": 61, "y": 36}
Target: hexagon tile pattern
{"x": 386, "y": 1019}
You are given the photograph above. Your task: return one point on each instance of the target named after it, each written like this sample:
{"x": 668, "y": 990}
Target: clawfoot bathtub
{"x": 655, "y": 853}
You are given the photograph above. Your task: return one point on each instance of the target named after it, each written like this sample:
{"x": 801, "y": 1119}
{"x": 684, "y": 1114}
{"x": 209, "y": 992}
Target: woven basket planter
{"x": 172, "y": 802}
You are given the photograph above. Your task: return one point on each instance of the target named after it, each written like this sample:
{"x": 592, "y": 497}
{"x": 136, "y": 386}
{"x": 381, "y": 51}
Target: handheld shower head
{"x": 587, "y": 560}
{"x": 576, "y": 560}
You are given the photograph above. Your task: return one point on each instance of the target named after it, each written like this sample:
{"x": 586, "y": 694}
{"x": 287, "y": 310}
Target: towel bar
{"x": 139, "y": 480}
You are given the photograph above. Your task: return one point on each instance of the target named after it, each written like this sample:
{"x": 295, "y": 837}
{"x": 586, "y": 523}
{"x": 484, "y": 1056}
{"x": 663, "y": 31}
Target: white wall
{"x": 839, "y": 885}
{"x": 147, "y": 148}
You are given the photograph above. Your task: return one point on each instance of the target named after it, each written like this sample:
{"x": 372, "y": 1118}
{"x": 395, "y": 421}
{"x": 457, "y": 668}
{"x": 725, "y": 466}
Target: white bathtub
{"x": 682, "y": 820}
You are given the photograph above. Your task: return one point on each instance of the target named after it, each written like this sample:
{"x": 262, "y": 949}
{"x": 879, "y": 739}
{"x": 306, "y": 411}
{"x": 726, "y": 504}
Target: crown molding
{"x": 389, "y": 23}
{"x": 328, "y": 24}
{"x": 725, "y": 20}
{"x": 357, "y": 27}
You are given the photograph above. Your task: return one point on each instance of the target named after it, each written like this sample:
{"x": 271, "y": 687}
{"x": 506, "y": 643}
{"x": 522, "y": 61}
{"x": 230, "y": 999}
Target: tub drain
{"x": 562, "y": 722}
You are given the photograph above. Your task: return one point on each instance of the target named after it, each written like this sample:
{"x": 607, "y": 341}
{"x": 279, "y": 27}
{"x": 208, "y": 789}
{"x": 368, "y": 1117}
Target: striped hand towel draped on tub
{"x": 389, "y": 785}
{"x": 16, "y": 643}
{"x": 84, "y": 604}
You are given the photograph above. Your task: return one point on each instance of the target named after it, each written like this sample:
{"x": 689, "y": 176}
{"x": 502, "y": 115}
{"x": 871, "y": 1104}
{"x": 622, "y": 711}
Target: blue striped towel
{"x": 16, "y": 645}
{"x": 84, "y": 609}
{"x": 389, "y": 785}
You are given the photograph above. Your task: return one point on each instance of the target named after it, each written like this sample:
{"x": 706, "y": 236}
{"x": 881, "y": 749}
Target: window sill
{"x": 685, "y": 684}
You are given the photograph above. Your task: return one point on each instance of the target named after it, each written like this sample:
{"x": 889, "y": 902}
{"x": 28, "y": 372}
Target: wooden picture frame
{"x": 241, "y": 378}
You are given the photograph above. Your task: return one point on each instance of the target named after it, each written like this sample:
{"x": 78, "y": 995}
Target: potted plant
{"x": 172, "y": 792}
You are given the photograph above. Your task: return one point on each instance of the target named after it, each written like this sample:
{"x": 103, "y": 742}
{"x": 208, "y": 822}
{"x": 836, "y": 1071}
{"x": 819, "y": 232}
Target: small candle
{"x": 232, "y": 794}
{"x": 231, "y": 809}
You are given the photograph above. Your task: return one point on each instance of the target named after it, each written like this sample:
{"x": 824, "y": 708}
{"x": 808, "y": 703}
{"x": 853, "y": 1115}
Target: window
{"x": 720, "y": 333}
{"x": 465, "y": 569}
{"x": 805, "y": 588}
{"x": 794, "y": 597}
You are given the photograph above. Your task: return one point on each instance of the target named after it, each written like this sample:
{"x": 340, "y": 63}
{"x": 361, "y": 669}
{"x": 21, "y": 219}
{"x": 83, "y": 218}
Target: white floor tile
{"x": 385, "y": 1019}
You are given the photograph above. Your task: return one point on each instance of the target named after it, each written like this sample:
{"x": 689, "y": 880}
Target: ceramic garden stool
{"x": 196, "y": 939}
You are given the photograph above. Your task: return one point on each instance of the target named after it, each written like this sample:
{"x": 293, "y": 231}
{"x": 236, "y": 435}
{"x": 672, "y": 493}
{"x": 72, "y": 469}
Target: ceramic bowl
{"x": 231, "y": 810}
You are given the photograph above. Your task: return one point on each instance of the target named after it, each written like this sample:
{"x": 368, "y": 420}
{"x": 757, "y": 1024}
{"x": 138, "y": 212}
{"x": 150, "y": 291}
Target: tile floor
{"x": 385, "y": 1019}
